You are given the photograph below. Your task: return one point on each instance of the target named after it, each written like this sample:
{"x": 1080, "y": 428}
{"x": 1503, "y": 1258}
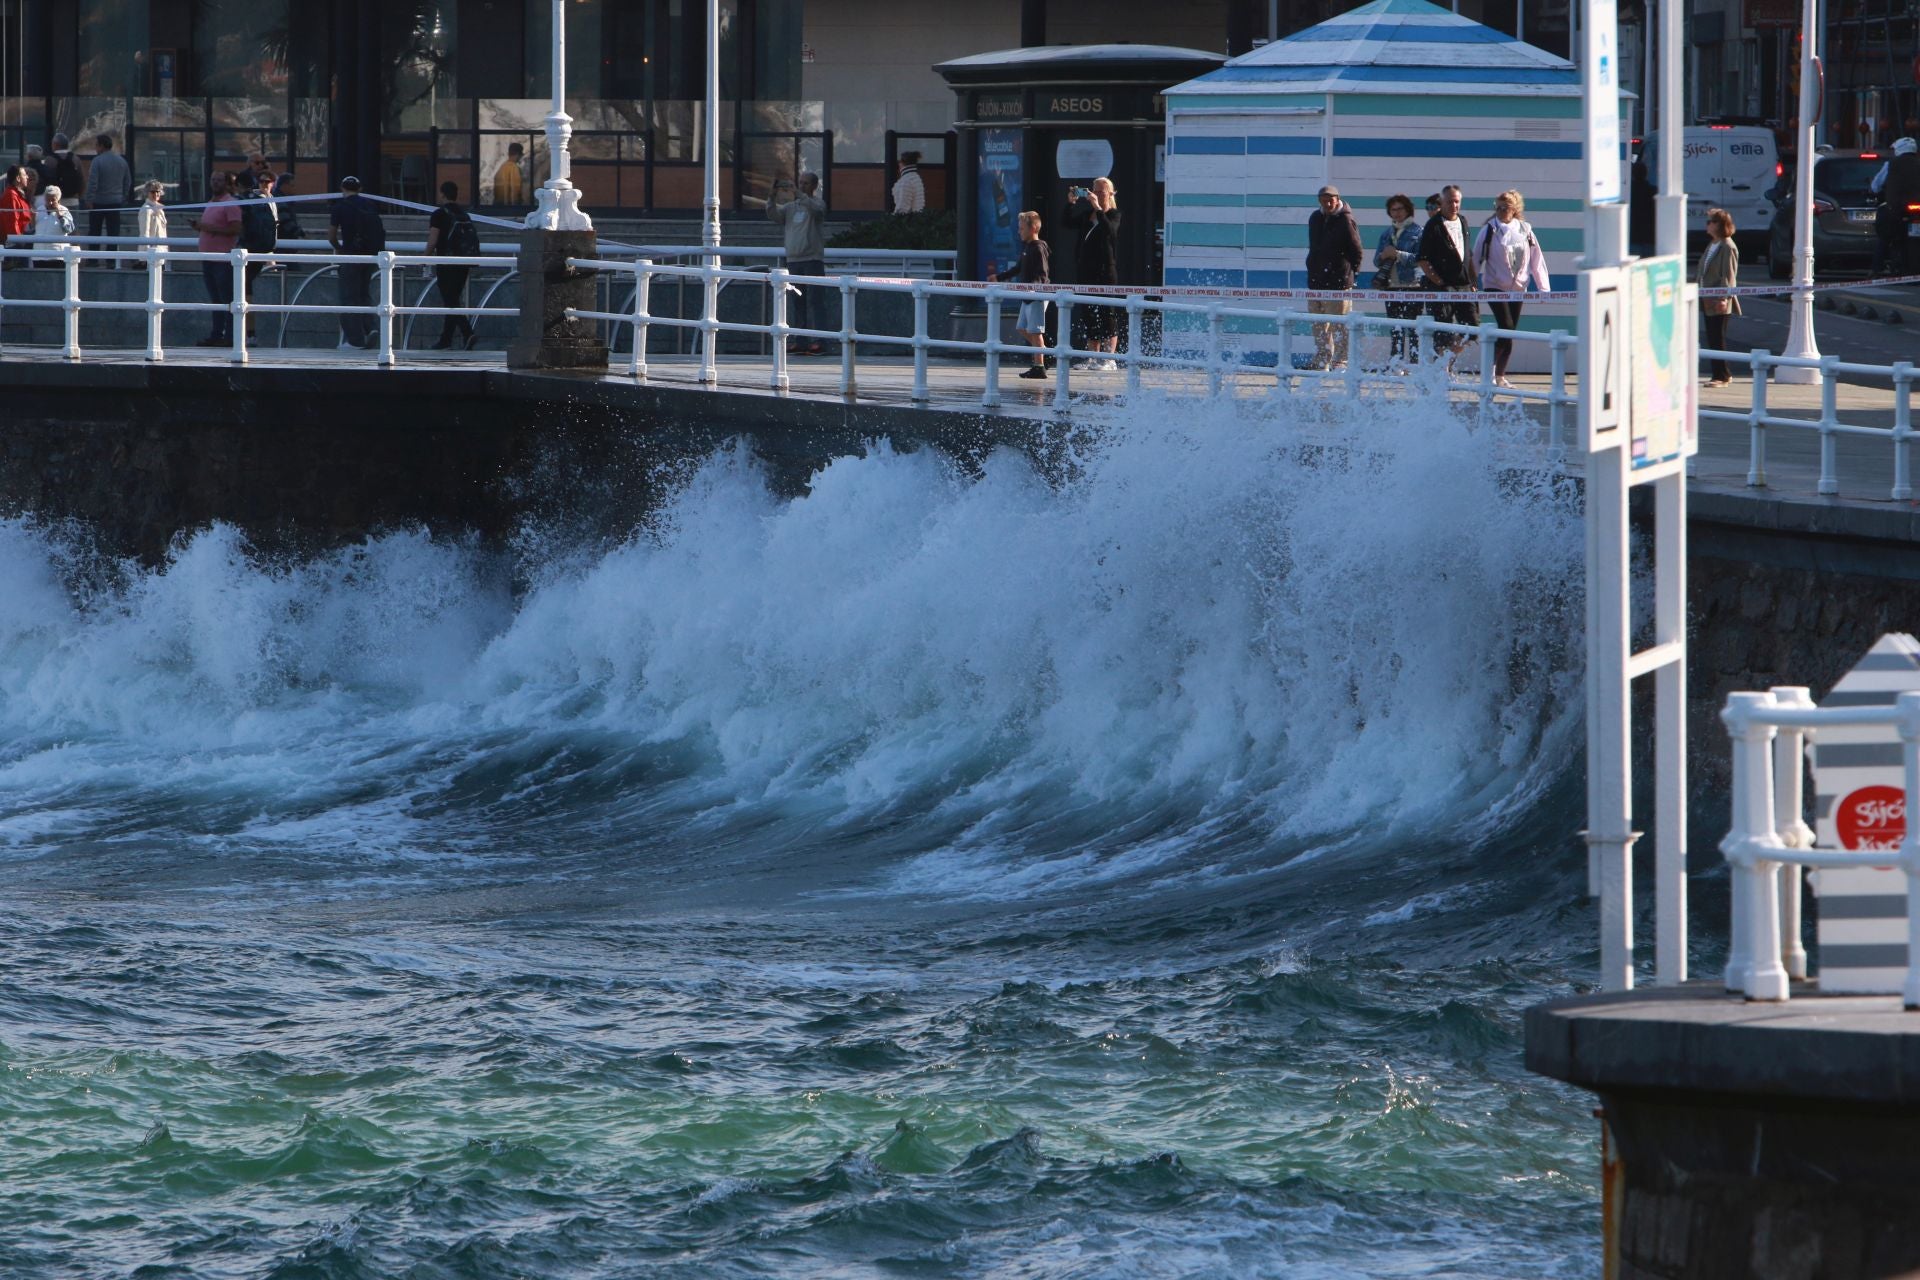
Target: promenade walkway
{"x": 1864, "y": 464}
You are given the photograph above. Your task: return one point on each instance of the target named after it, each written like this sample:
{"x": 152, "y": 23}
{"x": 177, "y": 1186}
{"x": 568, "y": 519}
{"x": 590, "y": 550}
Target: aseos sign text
{"x": 1873, "y": 819}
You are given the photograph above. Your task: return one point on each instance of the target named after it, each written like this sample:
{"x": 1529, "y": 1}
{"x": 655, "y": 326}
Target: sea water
{"x": 1134, "y": 870}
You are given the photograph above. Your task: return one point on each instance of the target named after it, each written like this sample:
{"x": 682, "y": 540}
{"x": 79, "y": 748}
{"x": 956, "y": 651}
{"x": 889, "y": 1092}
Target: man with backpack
{"x": 450, "y": 231}
{"x": 259, "y": 232}
{"x": 354, "y": 226}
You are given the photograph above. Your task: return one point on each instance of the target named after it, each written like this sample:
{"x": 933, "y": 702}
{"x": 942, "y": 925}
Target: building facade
{"x": 407, "y": 93}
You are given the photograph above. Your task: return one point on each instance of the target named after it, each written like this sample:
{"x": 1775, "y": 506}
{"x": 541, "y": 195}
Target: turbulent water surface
{"x": 1134, "y": 872}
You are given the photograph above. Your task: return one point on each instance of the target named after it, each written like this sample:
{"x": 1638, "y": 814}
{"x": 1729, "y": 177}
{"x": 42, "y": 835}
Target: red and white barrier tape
{"x": 1361, "y": 295}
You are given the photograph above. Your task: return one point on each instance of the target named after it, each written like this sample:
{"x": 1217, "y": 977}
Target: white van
{"x": 1731, "y": 166}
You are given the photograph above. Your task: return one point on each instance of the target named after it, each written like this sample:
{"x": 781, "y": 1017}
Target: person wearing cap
{"x": 1333, "y": 256}
{"x": 354, "y": 226}
{"x": 1898, "y": 185}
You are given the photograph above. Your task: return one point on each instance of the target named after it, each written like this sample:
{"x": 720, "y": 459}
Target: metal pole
{"x": 1800, "y": 339}
{"x": 558, "y": 204}
{"x": 1670, "y": 207}
{"x": 711, "y": 235}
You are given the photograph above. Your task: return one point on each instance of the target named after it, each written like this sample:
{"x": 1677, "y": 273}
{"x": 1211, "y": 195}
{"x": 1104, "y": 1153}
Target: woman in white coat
{"x": 153, "y": 218}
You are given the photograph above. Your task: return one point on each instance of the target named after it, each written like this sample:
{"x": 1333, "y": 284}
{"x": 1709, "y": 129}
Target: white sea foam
{"x": 1203, "y": 629}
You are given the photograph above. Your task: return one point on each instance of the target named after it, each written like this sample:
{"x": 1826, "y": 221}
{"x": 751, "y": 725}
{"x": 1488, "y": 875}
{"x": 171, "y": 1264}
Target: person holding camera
{"x": 804, "y": 215}
{"x": 1095, "y": 214}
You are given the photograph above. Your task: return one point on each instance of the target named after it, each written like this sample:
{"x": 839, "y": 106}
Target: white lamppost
{"x": 558, "y": 204}
{"x": 1800, "y": 330}
{"x": 711, "y": 235}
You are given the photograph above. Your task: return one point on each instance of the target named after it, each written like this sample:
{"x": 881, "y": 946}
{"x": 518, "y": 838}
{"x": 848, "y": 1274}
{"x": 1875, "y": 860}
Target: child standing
{"x": 1035, "y": 265}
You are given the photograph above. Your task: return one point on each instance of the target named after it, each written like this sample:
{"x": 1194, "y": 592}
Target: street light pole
{"x": 1800, "y": 340}
{"x": 711, "y": 234}
{"x": 557, "y": 206}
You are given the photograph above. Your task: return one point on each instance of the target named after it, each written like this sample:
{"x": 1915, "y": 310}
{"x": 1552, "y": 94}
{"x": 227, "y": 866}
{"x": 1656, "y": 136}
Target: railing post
{"x": 1136, "y": 340}
{"x": 920, "y": 394}
{"x": 1558, "y": 445}
{"x": 70, "y": 269}
{"x": 1215, "y": 346}
{"x": 778, "y": 278}
{"x": 1902, "y": 431}
{"x": 642, "y": 312}
{"x": 1790, "y": 825}
{"x": 1356, "y": 338}
{"x": 849, "y": 314}
{"x": 237, "y": 306}
{"x": 384, "y": 264}
{"x": 156, "y": 307}
{"x": 990, "y": 393}
{"x": 1757, "y": 421}
{"x": 1063, "y": 356}
{"x": 709, "y": 321}
{"x": 1486, "y": 341}
{"x": 1909, "y": 707}
{"x": 1829, "y": 418}
{"x": 1756, "y": 879}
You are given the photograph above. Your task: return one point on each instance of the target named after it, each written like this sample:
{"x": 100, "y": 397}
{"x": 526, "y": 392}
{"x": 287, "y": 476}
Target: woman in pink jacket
{"x": 1508, "y": 257}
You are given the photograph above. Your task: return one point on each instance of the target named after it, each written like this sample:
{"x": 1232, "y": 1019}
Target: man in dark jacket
{"x": 1333, "y": 256}
{"x": 1897, "y": 185}
{"x": 1446, "y": 267}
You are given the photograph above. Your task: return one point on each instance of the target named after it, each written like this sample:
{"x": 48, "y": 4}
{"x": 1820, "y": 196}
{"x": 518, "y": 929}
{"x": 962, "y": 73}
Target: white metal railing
{"x": 382, "y": 309}
{"x": 1760, "y": 417}
{"x": 1769, "y": 841}
{"x": 1198, "y": 348}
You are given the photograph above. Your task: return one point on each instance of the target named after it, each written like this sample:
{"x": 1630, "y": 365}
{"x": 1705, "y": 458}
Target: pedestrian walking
{"x": 1095, "y": 215}
{"x": 63, "y": 171}
{"x": 803, "y": 214}
{"x": 1719, "y": 269}
{"x": 259, "y": 232}
{"x": 909, "y": 192}
{"x": 509, "y": 183}
{"x": 1896, "y": 186}
{"x": 287, "y": 214}
{"x": 1395, "y": 271}
{"x": 1508, "y": 259}
{"x": 451, "y": 233}
{"x": 1035, "y": 268}
{"x": 1446, "y": 267}
{"x": 109, "y": 188}
{"x": 1333, "y": 259}
{"x": 219, "y": 228}
{"x": 16, "y": 210}
{"x": 39, "y": 169}
{"x": 354, "y": 226}
{"x": 153, "y": 216}
{"x": 52, "y": 224}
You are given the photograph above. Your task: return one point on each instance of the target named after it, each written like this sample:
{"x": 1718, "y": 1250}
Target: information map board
{"x": 1664, "y": 408}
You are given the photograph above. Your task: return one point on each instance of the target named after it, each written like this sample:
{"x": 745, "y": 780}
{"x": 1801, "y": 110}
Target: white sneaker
{"x": 1084, "y": 365}
{"x": 348, "y": 346}
{"x": 1109, "y": 365}
{"x": 1502, "y": 382}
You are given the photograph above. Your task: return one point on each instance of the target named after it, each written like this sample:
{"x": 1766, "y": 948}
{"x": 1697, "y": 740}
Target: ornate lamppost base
{"x": 548, "y": 288}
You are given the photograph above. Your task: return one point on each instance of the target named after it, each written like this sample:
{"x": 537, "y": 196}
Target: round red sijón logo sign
{"x": 1872, "y": 818}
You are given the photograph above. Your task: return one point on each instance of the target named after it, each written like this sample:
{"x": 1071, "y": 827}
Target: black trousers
{"x": 1717, "y": 341}
{"x": 356, "y": 290}
{"x": 1406, "y": 343}
{"x": 1506, "y": 315}
{"x": 452, "y": 282}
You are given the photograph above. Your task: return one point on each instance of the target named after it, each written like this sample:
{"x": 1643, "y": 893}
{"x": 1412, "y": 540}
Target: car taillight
{"x": 1913, "y": 208}
{"x": 1779, "y": 169}
{"x": 1823, "y": 206}
{"x": 1869, "y": 155}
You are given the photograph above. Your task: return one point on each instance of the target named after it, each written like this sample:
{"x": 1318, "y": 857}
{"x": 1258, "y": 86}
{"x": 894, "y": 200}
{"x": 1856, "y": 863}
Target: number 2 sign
{"x": 1603, "y": 357}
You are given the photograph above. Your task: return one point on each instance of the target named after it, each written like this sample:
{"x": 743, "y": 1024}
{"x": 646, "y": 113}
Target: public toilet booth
{"x": 1034, "y": 122}
{"x": 1860, "y": 803}
{"x": 1396, "y": 96}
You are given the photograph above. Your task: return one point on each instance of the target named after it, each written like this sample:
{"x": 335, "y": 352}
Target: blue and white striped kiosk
{"x": 1394, "y": 96}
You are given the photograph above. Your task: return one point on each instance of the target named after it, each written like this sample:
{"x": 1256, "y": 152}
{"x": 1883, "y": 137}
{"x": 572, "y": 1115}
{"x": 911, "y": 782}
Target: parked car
{"x": 1843, "y": 211}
